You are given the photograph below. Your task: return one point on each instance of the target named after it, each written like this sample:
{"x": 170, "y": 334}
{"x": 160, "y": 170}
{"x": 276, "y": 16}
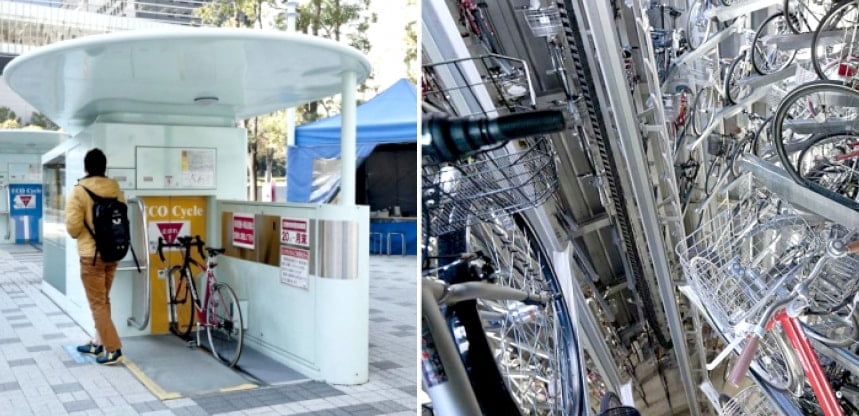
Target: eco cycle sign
{"x": 26, "y": 200}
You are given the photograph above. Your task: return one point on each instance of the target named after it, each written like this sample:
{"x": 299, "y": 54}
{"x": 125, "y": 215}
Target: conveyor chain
{"x": 583, "y": 72}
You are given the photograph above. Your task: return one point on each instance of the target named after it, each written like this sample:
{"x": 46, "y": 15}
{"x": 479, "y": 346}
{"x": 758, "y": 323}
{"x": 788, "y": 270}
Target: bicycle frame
{"x": 211, "y": 280}
{"x": 810, "y": 364}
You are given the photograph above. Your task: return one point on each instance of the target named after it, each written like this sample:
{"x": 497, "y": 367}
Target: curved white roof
{"x": 24, "y": 141}
{"x": 251, "y": 72}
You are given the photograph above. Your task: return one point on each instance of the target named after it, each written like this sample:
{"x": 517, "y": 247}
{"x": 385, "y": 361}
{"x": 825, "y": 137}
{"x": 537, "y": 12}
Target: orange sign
{"x": 168, "y": 218}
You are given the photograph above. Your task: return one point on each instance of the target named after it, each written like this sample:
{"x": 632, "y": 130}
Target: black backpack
{"x": 110, "y": 228}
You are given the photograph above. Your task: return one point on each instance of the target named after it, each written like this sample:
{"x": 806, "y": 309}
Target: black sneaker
{"x": 91, "y": 349}
{"x": 110, "y": 358}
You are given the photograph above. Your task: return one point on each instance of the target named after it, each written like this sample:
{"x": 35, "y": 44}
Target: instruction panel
{"x": 295, "y": 267}
{"x": 176, "y": 167}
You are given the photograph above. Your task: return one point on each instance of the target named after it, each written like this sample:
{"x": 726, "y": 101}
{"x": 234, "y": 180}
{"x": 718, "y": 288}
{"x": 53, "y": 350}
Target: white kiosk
{"x": 163, "y": 106}
{"x": 21, "y": 181}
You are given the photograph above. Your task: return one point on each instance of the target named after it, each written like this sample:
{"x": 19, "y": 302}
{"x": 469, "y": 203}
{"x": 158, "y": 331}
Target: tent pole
{"x": 290, "y": 112}
{"x": 348, "y": 139}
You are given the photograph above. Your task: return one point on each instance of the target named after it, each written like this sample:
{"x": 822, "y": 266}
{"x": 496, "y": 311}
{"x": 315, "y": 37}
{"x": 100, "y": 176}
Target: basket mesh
{"x": 544, "y": 22}
{"x": 749, "y": 402}
{"x": 456, "y": 196}
{"x": 745, "y": 253}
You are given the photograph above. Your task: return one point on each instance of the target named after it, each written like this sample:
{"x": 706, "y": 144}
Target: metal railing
{"x": 27, "y": 24}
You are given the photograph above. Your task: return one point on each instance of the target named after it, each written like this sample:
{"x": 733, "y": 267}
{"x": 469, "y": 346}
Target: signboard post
{"x": 244, "y": 231}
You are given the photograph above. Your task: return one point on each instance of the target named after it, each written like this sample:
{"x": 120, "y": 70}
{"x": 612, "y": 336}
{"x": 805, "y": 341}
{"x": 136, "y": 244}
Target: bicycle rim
{"x": 224, "y": 324}
{"x": 703, "y": 109}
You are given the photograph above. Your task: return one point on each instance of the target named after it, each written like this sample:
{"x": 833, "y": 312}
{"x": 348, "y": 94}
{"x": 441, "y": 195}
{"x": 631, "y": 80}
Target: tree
{"x": 331, "y": 19}
{"x": 39, "y": 119}
{"x": 8, "y": 119}
{"x": 231, "y": 13}
{"x": 246, "y": 14}
{"x": 411, "y": 38}
{"x": 344, "y": 21}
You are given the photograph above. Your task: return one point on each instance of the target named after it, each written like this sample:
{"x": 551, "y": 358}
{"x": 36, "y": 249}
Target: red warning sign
{"x": 294, "y": 231}
{"x": 169, "y": 230}
{"x": 26, "y": 199}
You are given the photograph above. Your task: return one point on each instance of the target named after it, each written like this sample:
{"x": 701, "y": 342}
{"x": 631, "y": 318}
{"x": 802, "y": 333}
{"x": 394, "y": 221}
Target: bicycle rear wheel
{"x": 224, "y": 325}
{"x": 181, "y": 301}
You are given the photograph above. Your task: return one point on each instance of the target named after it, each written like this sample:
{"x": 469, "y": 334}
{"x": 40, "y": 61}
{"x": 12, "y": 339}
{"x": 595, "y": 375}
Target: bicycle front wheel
{"x": 181, "y": 302}
{"x": 522, "y": 359}
{"x": 224, "y": 325}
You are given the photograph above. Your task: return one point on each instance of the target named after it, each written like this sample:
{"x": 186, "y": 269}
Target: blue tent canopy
{"x": 389, "y": 117}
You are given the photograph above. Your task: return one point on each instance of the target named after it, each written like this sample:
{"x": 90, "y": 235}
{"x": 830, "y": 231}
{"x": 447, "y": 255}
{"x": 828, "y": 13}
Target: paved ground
{"x": 37, "y": 377}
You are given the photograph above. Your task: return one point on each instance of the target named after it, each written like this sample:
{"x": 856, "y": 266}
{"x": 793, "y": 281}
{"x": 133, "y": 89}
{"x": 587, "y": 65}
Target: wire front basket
{"x": 749, "y": 402}
{"x": 544, "y": 22}
{"x": 459, "y": 195}
{"x": 747, "y": 256}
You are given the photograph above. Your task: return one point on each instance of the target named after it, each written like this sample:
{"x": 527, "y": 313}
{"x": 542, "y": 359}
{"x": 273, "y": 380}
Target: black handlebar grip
{"x": 455, "y": 138}
{"x": 160, "y": 249}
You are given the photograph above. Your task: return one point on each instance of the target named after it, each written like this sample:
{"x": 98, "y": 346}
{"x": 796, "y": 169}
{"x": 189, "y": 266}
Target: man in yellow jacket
{"x": 97, "y": 275}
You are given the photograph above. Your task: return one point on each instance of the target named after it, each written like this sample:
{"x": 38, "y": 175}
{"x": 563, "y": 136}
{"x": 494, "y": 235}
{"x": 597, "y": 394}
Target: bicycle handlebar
{"x": 185, "y": 242}
{"x": 452, "y": 138}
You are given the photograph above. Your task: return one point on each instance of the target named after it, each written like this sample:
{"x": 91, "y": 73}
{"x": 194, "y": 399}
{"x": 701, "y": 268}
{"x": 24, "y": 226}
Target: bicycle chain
{"x": 582, "y": 71}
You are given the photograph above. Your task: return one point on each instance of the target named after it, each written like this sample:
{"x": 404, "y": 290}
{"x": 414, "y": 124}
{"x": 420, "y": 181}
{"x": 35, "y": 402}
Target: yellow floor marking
{"x": 240, "y": 387}
{"x": 151, "y": 385}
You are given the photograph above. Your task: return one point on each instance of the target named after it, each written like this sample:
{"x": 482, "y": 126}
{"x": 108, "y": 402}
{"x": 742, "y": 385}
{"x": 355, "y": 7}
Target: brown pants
{"x": 97, "y": 280}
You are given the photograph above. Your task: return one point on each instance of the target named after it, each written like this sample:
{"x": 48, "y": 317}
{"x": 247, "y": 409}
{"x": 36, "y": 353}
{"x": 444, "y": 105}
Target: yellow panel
{"x": 169, "y": 217}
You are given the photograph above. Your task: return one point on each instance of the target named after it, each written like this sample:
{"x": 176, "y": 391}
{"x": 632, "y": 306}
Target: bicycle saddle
{"x": 214, "y": 251}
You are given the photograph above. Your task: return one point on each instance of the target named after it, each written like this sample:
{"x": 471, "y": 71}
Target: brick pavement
{"x": 38, "y": 377}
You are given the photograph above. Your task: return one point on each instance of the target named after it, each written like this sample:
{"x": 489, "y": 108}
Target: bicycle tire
{"x": 710, "y": 178}
{"x": 224, "y": 324}
{"x": 182, "y": 303}
{"x": 729, "y": 77}
{"x": 757, "y": 144}
{"x": 778, "y": 142}
{"x": 815, "y": 59}
{"x": 754, "y": 49}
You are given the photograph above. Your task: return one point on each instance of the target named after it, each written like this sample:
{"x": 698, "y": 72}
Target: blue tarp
{"x": 390, "y": 117}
